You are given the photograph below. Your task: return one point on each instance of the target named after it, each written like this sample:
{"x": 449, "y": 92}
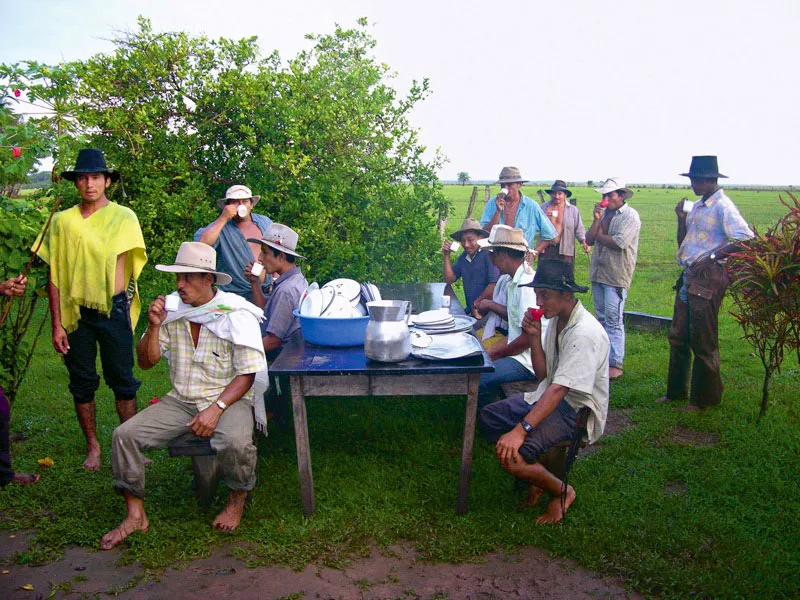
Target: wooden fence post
{"x": 472, "y": 198}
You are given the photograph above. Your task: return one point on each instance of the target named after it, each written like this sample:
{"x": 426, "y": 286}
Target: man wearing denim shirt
{"x": 707, "y": 233}
{"x": 516, "y": 210}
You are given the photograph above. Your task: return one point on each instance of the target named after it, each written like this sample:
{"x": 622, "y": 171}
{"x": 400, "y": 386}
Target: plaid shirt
{"x": 199, "y": 375}
{"x": 710, "y": 226}
{"x": 615, "y": 266}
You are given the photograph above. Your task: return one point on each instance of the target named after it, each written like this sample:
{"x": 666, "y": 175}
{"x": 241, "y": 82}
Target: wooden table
{"x": 330, "y": 371}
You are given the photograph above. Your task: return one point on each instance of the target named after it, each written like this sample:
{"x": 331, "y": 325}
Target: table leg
{"x": 303, "y": 447}
{"x": 466, "y": 447}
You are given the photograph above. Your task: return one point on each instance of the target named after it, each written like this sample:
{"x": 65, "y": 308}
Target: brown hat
{"x": 280, "y": 237}
{"x": 469, "y": 225}
{"x": 510, "y": 175}
{"x": 503, "y": 236}
{"x": 196, "y": 257}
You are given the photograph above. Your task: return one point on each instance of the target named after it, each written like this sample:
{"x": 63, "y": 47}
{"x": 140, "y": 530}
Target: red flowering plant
{"x": 765, "y": 287}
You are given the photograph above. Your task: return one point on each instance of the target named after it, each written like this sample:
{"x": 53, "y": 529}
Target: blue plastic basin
{"x": 333, "y": 332}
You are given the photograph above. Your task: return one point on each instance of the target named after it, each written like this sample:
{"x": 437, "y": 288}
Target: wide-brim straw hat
{"x": 704, "y": 167}
{"x": 469, "y": 225}
{"x": 559, "y": 186}
{"x": 90, "y": 160}
{"x": 503, "y": 236}
{"x": 196, "y": 257}
{"x": 238, "y": 192}
{"x": 614, "y": 184}
{"x": 281, "y": 238}
{"x": 556, "y": 274}
{"x": 510, "y": 175}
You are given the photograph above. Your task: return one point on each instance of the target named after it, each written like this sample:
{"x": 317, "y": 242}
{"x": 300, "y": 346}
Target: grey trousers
{"x": 160, "y": 423}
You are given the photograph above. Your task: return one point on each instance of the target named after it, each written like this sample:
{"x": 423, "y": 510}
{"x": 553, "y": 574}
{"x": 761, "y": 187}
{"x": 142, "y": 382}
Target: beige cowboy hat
{"x": 469, "y": 225}
{"x": 281, "y": 238}
{"x": 238, "y": 192}
{"x": 614, "y": 184}
{"x": 196, "y": 257}
{"x": 510, "y": 175}
{"x": 503, "y": 236}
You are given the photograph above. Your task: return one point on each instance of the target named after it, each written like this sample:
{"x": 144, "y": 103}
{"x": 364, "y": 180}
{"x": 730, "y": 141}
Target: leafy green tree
{"x": 463, "y": 178}
{"x": 323, "y": 137}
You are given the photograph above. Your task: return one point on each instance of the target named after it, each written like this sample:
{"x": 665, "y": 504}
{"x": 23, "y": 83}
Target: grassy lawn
{"x": 713, "y": 512}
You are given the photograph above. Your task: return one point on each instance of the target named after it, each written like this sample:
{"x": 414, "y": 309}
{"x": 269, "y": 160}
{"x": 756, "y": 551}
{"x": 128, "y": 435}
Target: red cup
{"x": 536, "y": 313}
{"x": 604, "y": 203}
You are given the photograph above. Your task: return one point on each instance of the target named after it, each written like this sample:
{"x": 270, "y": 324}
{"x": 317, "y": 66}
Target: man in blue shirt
{"x": 516, "y": 210}
{"x": 228, "y": 236}
{"x": 473, "y": 266}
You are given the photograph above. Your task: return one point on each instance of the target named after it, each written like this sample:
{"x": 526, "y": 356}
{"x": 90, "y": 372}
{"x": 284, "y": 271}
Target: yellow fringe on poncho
{"x": 82, "y": 254}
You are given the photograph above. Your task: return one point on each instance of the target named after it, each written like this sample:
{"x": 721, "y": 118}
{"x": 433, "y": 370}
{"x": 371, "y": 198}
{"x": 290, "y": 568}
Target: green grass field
{"x": 672, "y": 519}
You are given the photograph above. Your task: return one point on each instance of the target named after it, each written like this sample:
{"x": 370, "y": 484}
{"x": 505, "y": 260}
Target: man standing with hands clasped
{"x": 707, "y": 233}
{"x": 615, "y": 236}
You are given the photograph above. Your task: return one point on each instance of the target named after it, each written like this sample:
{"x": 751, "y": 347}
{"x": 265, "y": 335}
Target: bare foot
{"x": 231, "y": 515}
{"x": 92, "y": 462}
{"x": 116, "y": 536}
{"x": 148, "y": 462}
{"x": 614, "y": 373}
{"x": 664, "y": 399}
{"x": 554, "y": 514}
{"x": 534, "y": 495}
{"x": 25, "y": 478}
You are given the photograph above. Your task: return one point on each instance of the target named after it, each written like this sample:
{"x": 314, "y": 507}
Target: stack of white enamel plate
{"x": 370, "y": 292}
{"x": 337, "y": 299}
{"x": 441, "y": 321}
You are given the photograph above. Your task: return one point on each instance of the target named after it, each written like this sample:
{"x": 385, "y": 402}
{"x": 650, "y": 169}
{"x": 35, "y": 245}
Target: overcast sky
{"x": 576, "y": 90}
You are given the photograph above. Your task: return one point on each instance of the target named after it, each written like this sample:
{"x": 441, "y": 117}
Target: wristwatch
{"x": 222, "y": 405}
{"x": 526, "y": 426}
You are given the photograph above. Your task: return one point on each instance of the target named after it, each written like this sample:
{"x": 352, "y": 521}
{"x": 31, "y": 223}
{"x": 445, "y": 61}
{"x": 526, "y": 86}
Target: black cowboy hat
{"x": 90, "y": 160}
{"x": 555, "y": 274}
{"x": 559, "y": 186}
{"x": 704, "y": 167}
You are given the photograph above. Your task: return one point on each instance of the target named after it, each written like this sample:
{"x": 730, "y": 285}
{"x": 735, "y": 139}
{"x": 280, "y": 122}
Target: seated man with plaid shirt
{"x": 214, "y": 350}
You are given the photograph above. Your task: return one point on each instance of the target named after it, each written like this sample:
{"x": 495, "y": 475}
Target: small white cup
{"x": 554, "y": 213}
{"x": 454, "y": 247}
{"x": 242, "y": 211}
{"x": 171, "y": 303}
{"x": 257, "y": 269}
{"x": 445, "y": 301}
{"x": 687, "y": 206}
{"x": 504, "y": 191}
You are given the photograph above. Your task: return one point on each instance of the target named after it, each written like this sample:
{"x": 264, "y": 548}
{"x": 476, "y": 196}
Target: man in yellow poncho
{"x": 96, "y": 252}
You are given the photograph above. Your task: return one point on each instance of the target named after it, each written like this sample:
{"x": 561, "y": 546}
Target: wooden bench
{"x": 204, "y": 464}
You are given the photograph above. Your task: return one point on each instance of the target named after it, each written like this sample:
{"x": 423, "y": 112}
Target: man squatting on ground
{"x": 214, "y": 349}
{"x": 614, "y": 233}
{"x": 473, "y": 265}
{"x": 96, "y": 252}
{"x": 566, "y": 218}
{"x": 14, "y": 286}
{"x": 571, "y": 362}
{"x": 517, "y": 210}
{"x": 228, "y": 236}
{"x": 705, "y": 238}
{"x": 512, "y": 360}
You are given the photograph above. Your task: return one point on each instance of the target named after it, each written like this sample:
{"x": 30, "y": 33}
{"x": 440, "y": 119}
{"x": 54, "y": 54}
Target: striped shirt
{"x": 712, "y": 224}
{"x": 199, "y": 375}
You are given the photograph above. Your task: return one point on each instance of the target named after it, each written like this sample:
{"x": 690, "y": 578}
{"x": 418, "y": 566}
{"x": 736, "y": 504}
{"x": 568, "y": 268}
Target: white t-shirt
{"x": 580, "y": 363}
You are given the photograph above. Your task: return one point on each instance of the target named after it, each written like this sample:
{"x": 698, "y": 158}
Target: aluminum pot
{"x": 387, "y": 338}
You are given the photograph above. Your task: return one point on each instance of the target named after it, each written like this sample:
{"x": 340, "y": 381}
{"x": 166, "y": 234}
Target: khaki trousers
{"x": 160, "y": 423}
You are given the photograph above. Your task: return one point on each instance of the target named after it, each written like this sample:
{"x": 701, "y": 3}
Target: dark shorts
{"x": 502, "y": 416}
{"x": 114, "y": 335}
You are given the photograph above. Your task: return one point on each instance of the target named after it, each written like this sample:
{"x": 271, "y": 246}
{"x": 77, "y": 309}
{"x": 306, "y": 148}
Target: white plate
{"x": 339, "y": 308}
{"x": 447, "y": 347}
{"x": 462, "y": 323}
{"x": 420, "y": 339}
{"x": 312, "y": 303}
{"x": 328, "y": 294}
{"x": 433, "y": 317}
{"x": 348, "y": 288}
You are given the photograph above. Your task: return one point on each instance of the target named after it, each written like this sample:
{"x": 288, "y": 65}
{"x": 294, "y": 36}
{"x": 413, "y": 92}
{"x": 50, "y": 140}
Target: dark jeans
{"x": 498, "y": 418}
{"x": 6, "y": 472}
{"x": 115, "y": 337}
{"x": 694, "y": 330}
